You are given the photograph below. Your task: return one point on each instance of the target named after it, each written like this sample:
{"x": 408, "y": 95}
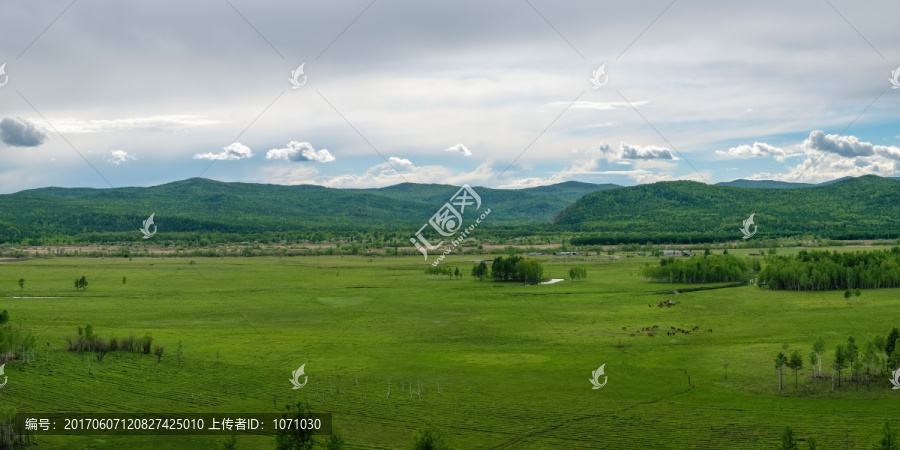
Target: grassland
{"x": 512, "y": 361}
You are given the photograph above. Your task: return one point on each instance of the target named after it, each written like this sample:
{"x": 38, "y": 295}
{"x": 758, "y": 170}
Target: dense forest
{"x": 867, "y": 207}
{"x": 812, "y": 270}
{"x": 701, "y": 269}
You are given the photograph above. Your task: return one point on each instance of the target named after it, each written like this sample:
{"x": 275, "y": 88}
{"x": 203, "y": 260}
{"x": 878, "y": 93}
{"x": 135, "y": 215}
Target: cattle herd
{"x": 672, "y": 330}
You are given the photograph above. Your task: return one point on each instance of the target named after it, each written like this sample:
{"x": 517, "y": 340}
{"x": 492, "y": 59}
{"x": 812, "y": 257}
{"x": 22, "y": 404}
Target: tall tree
{"x": 840, "y": 361}
{"x": 780, "y": 361}
{"x": 21, "y": 284}
{"x": 890, "y": 343}
{"x": 795, "y": 363}
{"x": 852, "y": 353}
{"x": 819, "y": 349}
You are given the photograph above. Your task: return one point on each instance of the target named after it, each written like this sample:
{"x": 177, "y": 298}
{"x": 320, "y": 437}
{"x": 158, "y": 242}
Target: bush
{"x": 430, "y": 438}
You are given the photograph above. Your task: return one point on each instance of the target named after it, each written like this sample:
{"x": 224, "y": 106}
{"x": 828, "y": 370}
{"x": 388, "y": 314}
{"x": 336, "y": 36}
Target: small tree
{"x": 780, "y": 362}
{"x": 795, "y": 363}
{"x": 21, "y": 284}
{"x": 158, "y": 351}
{"x": 335, "y": 441}
{"x": 847, "y": 294}
{"x": 889, "y": 440}
{"x": 430, "y": 438}
{"x": 479, "y": 270}
{"x": 787, "y": 440}
{"x": 857, "y": 293}
{"x": 123, "y": 282}
{"x": 295, "y": 438}
{"x": 230, "y": 444}
{"x": 4, "y": 317}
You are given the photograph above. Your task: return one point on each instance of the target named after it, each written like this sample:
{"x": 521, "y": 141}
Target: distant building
{"x": 565, "y": 253}
{"x": 535, "y": 254}
{"x": 671, "y": 253}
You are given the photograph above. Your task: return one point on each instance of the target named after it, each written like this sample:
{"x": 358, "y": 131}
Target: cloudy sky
{"x": 507, "y": 93}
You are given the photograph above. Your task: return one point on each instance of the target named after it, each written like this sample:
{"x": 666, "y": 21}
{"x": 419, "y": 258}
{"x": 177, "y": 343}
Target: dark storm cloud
{"x": 20, "y": 132}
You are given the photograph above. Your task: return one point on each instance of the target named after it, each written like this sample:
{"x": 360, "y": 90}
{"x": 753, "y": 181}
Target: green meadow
{"x": 500, "y": 365}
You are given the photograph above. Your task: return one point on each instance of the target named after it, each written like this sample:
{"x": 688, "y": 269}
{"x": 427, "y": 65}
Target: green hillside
{"x": 764, "y": 184}
{"x": 686, "y": 211}
{"x": 212, "y": 207}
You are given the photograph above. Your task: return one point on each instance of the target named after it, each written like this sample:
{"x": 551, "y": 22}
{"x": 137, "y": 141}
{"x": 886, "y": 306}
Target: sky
{"x": 506, "y": 94}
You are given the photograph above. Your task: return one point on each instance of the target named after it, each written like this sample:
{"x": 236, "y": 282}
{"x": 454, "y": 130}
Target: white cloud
{"x": 300, "y": 151}
{"x": 119, "y": 156}
{"x": 832, "y": 156}
{"x": 628, "y": 151}
{"x": 172, "y": 122}
{"x": 756, "y": 150}
{"x": 459, "y": 148}
{"x": 602, "y": 106}
{"x": 230, "y": 153}
{"x": 848, "y": 146}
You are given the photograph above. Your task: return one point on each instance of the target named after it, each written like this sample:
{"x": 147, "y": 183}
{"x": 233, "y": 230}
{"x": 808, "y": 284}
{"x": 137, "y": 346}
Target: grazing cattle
{"x": 672, "y": 328}
{"x": 695, "y": 328}
{"x": 633, "y": 334}
{"x": 710, "y": 330}
{"x": 623, "y": 328}
{"x": 655, "y": 326}
{"x": 687, "y": 332}
{"x": 650, "y": 334}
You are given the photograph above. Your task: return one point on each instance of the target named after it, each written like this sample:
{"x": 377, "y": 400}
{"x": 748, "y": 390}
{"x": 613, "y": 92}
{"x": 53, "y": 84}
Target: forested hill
{"x": 201, "y": 206}
{"x": 687, "y": 211}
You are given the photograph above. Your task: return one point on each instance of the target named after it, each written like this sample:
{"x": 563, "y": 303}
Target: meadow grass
{"x": 500, "y": 365}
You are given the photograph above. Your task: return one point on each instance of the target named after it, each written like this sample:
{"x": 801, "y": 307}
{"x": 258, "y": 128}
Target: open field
{"x": 512, "y": 361}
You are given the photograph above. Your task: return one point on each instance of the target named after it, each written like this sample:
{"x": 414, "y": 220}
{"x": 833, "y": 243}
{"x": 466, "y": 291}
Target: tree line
{"x": 862, "y": 360}
{"x": 88, "y": 341}
{"x": 703, "y": 269}
{"x": 815, "y": 270}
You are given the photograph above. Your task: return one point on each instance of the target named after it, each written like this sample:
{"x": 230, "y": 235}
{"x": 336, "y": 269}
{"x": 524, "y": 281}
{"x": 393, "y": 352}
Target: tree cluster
{"x": 823, "y": 270}
{"x": 89, "y": 342}
{"x": 578, "y": 273}
{"x": 516, "y": 268}
{"x": 702, "y": 269}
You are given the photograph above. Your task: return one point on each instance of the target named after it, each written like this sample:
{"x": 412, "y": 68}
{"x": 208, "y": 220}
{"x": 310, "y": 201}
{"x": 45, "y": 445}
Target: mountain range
{"x": 680, "y": 210}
